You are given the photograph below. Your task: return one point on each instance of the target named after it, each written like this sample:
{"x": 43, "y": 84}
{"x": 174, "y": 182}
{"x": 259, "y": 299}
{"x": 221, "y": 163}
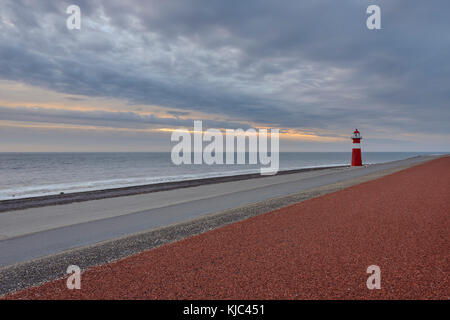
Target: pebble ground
{"x": 316, "y": 249}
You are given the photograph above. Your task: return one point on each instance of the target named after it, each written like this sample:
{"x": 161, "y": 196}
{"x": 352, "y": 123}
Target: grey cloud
{"x": 299, "y": 64}
{"x": 112, "y": 119}
{"x": 178, "y": 113}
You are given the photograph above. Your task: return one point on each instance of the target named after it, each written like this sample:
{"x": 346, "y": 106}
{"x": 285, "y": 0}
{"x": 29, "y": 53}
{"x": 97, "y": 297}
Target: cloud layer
{"x": 306, "y": 65}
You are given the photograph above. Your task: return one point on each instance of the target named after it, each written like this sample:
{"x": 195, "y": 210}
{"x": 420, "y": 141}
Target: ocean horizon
{"x": 32, "y": 174}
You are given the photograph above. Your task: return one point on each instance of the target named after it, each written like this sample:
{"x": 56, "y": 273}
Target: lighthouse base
{"x": 356, "y": 158}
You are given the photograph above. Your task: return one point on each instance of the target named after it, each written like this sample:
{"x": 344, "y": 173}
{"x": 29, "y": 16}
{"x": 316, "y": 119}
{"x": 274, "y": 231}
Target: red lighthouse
{"x": 356, "y": 151}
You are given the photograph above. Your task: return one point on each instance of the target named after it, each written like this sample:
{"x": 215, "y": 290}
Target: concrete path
{"x": 36, "y": 232}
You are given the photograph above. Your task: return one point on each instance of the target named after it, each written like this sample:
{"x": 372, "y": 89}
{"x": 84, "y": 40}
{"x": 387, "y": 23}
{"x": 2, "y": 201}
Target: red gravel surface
{"x": 316, "y": 249}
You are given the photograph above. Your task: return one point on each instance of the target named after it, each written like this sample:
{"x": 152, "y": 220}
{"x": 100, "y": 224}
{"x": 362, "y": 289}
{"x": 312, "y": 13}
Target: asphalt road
{"x": 36, "y": 232}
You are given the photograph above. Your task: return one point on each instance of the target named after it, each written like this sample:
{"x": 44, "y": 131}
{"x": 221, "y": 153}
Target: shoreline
{"x": 88, "y": 195}
{"x": 81, "y": 196}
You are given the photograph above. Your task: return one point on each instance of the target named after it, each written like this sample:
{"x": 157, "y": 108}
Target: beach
{"x": 38, "y": 243}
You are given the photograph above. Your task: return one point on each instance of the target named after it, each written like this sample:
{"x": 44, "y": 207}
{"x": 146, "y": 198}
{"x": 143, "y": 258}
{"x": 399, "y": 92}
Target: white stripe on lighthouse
{"x": 356, "y": 146}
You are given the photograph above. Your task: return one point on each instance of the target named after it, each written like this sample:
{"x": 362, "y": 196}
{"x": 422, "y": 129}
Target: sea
{"x": 24, "y": 175}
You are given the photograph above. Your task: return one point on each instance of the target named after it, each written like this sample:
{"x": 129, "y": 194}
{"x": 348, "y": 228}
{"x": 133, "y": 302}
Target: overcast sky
{"x": 137, "y": 69}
